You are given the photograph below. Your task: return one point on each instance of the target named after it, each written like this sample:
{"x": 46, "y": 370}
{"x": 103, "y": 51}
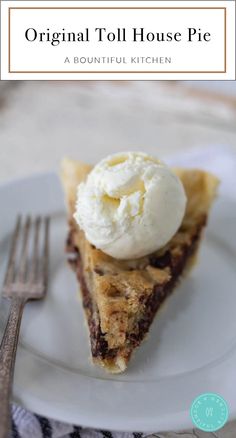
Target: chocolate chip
{"x": 114, "y": 293}
{"x": 142, "y": 299}
{"x": 162, "y": 261}
{"x": 99, "y": 271}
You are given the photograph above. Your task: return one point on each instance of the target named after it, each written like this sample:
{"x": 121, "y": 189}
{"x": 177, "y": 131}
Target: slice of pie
{"x": 121, "y": 298}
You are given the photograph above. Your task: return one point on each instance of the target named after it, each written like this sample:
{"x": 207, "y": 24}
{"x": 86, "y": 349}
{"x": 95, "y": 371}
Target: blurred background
{"x": 43, "y": 121}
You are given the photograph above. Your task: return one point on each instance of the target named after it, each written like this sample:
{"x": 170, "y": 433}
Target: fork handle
{"x": 7, "y": 362}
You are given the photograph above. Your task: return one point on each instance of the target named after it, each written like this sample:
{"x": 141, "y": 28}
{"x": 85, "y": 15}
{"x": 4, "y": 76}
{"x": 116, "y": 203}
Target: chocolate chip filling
{"x": 176, "y": 264}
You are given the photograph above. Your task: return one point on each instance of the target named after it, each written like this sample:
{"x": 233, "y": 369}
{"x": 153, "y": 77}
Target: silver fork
{"x": 26, "y": 282}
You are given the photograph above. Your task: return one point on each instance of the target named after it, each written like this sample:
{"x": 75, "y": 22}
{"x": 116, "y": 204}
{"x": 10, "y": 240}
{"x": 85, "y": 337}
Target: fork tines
{"x": 27, "y": 269}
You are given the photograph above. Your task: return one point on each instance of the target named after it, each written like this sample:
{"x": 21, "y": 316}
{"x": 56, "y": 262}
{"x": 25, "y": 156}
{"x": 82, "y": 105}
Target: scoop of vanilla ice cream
{"x": 130, "y": 205}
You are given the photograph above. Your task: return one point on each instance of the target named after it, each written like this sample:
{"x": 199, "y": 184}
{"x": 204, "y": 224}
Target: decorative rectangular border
{"x": 124, "y": 71}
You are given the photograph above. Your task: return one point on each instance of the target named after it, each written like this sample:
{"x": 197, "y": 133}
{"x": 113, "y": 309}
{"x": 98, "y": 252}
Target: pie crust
{"x": 121, "y": 298}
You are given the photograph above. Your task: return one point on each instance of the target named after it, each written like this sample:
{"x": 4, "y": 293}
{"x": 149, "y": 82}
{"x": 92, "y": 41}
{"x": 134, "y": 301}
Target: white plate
{"x": 191, "y": 348}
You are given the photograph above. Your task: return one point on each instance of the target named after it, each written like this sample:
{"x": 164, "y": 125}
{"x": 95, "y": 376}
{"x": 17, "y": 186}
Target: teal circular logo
{"x": 209, "y": 412}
